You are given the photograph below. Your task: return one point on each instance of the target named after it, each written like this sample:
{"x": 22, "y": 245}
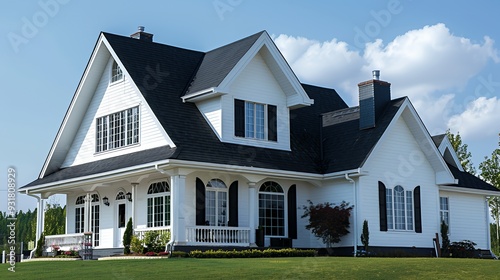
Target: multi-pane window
{"x": 117, "y": 130}
{"x": 444, "y": 210}
{"x": 79, "y": 214}
{"x": 272, "y": 209}
{"x": 94, "y": 207}
{"x": 159, "y": 204}
{"x": 399, "y": 208}
{"x": 216, "y": 203}
{"x": 254, "y": 120}
{"x": 116, "y": 72}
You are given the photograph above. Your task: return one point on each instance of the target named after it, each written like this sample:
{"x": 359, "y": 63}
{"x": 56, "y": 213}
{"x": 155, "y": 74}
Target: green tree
{"x": 55, "y": 219}
{"x": 327, "y": 221}
{"x": 463, "y": 154}
{"x": 490, "y": 172}
{"x": 445, "y": 240}
{"x": 127, "y": 237}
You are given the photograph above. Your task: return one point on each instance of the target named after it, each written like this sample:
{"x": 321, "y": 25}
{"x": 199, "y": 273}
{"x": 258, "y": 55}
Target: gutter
{"x": 38, "y": 222}
{"x": 355, "y": 215}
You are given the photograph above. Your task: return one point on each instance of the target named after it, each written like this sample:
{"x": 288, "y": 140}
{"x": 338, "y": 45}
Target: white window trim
{"x": 108, "y": 150}
{"x": 285, "y": 209}
{"x": 266, "y": 121}
{"x": 111, "y": 76}
{"x": 448, "y": 211}
{"x": 216, "y": 191}
{"x": 154, "y": 195}
{"x": 393, "y": 229}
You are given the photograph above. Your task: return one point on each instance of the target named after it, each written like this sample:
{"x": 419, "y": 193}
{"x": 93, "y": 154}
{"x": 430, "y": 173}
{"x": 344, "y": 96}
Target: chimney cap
{"x": 140, "y": 28}
{"x": 376, "y": 74}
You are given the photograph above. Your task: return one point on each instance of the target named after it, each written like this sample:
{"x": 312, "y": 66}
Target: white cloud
{"x": 430, "y": 65}
{"x": 480, "y": 119}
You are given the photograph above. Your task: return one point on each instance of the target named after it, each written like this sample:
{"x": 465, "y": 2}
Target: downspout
{"x": 38, "y": 222}
{"x": 355, "y": 214}
{"x": 169, "y": 247}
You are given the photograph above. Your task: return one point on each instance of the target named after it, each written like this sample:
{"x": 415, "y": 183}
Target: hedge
{"x": 254, "y": 253}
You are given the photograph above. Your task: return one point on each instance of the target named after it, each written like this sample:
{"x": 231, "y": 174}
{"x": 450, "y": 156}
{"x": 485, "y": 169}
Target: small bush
{"x": 150, "y": 254}
{"x": 462, "y": 249}
{"x": 254, "y": 253}
{"x": 136, "y": 245}
{"x": 127, "y": 237}
{"x": 40, "y": 245}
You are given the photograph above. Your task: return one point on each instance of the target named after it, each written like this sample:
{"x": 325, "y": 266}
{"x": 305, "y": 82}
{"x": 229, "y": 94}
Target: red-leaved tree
{"x": 328, "y": 221}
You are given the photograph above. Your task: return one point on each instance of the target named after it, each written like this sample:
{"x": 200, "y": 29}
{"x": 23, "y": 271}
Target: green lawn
{"x": 260, "y": 268}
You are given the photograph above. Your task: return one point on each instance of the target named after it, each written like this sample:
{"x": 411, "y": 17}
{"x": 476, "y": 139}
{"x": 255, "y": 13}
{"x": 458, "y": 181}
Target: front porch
{"x": 195, "y": 236}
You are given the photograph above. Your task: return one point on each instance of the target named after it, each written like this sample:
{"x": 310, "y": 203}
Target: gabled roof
{"x": 438, "y": 139}
{"x": 217, "y": 64}
{"x": 350, "y": 145}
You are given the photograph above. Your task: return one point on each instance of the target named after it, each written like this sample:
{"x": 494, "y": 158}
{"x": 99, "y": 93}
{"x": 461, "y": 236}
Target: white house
{"x": 220, "y": 143}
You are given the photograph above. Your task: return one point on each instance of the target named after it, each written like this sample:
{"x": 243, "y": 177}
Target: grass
{"x": 260, "y": 268}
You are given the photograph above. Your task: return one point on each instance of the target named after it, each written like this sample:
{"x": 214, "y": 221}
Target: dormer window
{"x": 116, "y": 72}
{"x": 255, "y": 120}
{"x": 117, "y": 130}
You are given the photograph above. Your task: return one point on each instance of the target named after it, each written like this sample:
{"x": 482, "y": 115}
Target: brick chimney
{"x": 374, "y": 95}
{"x": 141, "y": 35}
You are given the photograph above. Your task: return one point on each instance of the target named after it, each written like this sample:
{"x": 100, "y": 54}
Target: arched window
{"x": 159, "y": 204}
{"x": 272, "y": 209}
{"x": 79, "y": 214}
{"x": 216, "y": 203}
{"x": 120, "y": 195}
{"x": 399, "y": 208}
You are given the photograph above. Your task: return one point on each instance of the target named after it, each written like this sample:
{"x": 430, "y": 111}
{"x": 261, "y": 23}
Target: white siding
{"x": 256, "y": 83}
{"x": 211, "y": 110}
{"x": 111, "y": 98}
{"x": 398, "y": 160}
{"x": 468, "y": 218}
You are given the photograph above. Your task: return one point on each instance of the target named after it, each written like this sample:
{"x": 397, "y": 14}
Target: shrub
{"x": 365, "y": 236}
{"x": 127, "y": 237}
{"x": 40, "y": 246}
{"x": 179, "y": 254}
{"x": 462, "y": 249}
{"x": 136, "y": 245}
{"x": 254, "y": 253}
{"x": 444, "y": 239}
{"x": 327, "y": 221}
{"x": 149, "y": 254}
{"x": 156, "y": 241}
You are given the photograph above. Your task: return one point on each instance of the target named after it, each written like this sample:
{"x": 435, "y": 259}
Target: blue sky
{"x": 442, "y": 54}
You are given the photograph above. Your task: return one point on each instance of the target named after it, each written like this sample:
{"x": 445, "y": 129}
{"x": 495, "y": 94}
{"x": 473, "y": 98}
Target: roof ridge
{"x": 238, "y": 41}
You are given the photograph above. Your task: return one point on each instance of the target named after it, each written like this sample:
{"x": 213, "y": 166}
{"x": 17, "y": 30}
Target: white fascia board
{"x": 95, "y": 178}
{"x": 446, "y": 145}
{"x": 73, "y": 104}
{"x": 265, "y": 40}
{"x": 468, "y": 191}
{"x": 203, "y": 95}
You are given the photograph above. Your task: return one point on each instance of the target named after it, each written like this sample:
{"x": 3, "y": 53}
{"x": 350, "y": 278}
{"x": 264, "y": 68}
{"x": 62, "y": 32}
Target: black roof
{"x": 165, "y": 73}
{"x": 438, "y": 139}
{"x": 469, "y": 181}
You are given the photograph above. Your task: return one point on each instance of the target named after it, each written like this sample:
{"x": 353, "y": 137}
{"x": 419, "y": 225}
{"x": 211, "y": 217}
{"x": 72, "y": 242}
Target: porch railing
{"x": 64, "y": 242}
{"x": 140, "y": 232}
{"x": 209, "y": 235}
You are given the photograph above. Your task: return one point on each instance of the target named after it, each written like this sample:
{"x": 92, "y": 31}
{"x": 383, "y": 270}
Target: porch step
{"x": 98, "y": 253}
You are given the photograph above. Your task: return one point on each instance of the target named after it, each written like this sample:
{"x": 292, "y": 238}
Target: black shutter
{"x": 382, "y": 207}
{"x": 418, "y": 210}
{"x": 200, "y": 202}
{"x": 233, "y": 205}
{"x": 292, "y": 212}
{"x": 272, "y": 122}
{"x": 239, "y": 118}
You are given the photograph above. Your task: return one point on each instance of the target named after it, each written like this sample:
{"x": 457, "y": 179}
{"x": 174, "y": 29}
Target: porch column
{"x": 134, "y": 187}
{"x": 177, "y": 205}
{"x": 86, "y": 210}
{"x": 252, "y": 211}
{"x": 41, "y": 218}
